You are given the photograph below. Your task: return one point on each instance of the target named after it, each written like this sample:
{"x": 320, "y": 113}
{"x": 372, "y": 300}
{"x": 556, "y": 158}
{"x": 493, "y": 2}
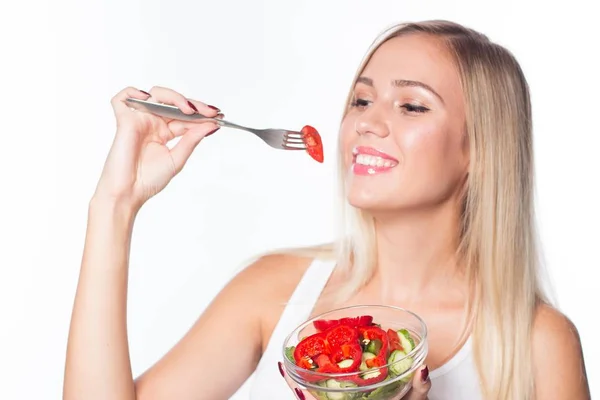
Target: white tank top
{"x": 456, "y": 379}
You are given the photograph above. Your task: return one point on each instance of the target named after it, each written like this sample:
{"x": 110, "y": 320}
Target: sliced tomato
{"x": 394, "y": 339}
{"x": 314, "y": 144}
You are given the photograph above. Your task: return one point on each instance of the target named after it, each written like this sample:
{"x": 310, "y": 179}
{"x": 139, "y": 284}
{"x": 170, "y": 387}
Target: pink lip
{"x": 374, "y": 152}
{"x": 360, "y": 169}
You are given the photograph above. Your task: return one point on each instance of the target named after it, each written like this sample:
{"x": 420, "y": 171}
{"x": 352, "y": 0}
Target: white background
{"x": 265, "y": 64}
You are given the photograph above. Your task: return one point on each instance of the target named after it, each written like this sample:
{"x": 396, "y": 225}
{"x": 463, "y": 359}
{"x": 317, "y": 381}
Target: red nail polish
{"x": 280, "y": 366}
{"x": 217, "y": 109}
{"x": 425, "y": 374}
{"x": 210, "y": 133}
{"x": 193, "y": 106}
{"x": 146, "y": 93}
{"x": 299, "y": 394}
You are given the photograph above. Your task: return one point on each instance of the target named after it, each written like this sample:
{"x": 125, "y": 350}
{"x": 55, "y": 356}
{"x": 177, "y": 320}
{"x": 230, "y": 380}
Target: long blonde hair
{"x": 498, "y": 236}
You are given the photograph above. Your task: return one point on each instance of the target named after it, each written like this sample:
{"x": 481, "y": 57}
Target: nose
{"x": 371, "y": 122}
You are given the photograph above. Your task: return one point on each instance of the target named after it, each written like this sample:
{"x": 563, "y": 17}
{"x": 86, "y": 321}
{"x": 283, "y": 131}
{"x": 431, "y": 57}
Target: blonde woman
{"x": 436, "y": 170}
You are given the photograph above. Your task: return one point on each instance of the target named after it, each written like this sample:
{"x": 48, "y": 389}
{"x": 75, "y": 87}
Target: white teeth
{"x": 373, "y": 161}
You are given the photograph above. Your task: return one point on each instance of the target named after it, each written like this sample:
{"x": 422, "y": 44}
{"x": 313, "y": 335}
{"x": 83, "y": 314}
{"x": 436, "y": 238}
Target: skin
{"x": 415, "y": 205}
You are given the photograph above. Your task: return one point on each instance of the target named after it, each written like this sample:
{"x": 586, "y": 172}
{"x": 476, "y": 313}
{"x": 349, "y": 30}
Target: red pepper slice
{"x": 326, "y": 324}
{"x": 348, "y": 351}
{"x": 363, "y": 320}
{"x": 376, "y": 333}
{"x": 323, "y": 325}
{"x": 394, "y": 339}
{"x": 314, "y": 144}
{"x": 309, "y": 348}
{"x": 341, "y": 334}
{"x": 326, "y": 365}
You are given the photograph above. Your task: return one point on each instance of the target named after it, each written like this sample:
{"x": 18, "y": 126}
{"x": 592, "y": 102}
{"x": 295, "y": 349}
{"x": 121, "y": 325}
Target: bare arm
{"x": 559, "y": 369}
{"x": 98, "y": 364}
{"x": 139, "y": 165}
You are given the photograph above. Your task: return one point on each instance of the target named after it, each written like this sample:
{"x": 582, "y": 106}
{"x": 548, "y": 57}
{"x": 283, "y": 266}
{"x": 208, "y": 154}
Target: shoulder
{"x": 277, "y": 272}
{"x": 557, "y": 356}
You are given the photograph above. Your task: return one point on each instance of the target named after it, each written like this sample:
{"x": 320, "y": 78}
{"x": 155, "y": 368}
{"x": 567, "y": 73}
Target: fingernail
{"x": 299, "y": 394}
{"x": 192, "y": 105}
{"x": 146, "y": 93}
{"x": 220, "y": 115}
{"x": 208, "y": 134}
{"x": 280, "y": 368}
{"x": 217, "y": 109}
{"x": 424, "y": 374}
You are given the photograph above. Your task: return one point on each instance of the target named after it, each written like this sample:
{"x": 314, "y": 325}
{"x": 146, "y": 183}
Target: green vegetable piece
{"x": 374, "y": 346}
{"x": 289, "y": 353}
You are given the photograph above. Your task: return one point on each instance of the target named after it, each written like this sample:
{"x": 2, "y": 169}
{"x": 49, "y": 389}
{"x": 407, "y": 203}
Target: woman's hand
{"x": 139, "y": 164}
{"x": 421, "y": 385}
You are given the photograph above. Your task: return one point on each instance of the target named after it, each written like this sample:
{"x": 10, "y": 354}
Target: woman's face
{"x": 403, "y": 140}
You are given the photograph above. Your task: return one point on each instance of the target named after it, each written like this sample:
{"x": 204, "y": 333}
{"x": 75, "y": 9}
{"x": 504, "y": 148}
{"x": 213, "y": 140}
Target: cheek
{"x": 423, "y": 143}
{"x": 430, "y": 152}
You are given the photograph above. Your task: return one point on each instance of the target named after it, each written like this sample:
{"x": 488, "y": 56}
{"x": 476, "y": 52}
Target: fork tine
{"x": 296, "y": 135}
{"x": 285, "y": 147}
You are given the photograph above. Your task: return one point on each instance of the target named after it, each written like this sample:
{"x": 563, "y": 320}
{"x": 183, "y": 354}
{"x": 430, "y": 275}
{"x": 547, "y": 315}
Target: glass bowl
{"x": 365, "y": 352}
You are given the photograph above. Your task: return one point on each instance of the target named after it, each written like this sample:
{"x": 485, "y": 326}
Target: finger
{"x": 179, "y": 127}
{"x": 118, "y": 101}
{"x": 188, "y": 106}
{"x": 182, "y": 151}
{"x": 421, "y": 384}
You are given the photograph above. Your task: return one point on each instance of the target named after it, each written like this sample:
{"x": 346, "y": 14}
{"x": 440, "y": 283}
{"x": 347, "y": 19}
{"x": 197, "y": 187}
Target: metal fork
{"x": 282, "y": 139}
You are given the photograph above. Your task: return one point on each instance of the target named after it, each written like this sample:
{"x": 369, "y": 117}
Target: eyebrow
{"x": 402, "y": 83}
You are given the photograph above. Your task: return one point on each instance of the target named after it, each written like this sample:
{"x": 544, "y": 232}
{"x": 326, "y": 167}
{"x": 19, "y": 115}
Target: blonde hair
{"x": 498, "y": 237}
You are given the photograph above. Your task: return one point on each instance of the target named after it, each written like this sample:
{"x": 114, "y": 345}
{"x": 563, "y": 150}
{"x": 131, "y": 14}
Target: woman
{"x": 444, "y": 227}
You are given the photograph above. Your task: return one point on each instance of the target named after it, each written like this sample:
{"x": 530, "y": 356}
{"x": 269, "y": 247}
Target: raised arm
{"x": 138, "y": 166}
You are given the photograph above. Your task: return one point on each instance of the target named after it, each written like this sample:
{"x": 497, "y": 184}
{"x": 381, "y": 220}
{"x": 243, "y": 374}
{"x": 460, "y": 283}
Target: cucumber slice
{"x": 373, "y": 374}
{"x": 400, "y": 363}
{"x": 373, "y": 347}
{"x": 333, "y": 384}
{"x": 365, "y": 356}
{"x": 407, "y": 342}
{"x": 345, "y": 363}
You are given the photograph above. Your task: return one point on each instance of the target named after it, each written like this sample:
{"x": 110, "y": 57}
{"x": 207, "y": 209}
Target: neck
{"x": 418, "y": 250}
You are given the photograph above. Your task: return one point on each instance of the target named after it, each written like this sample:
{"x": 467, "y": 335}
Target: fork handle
{"x": 228, "y": 124}
{"x": 169, "y": 111}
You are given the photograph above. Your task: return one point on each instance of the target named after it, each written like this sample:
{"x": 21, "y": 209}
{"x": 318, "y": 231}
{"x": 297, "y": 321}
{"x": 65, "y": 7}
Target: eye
{"x": 360, "y": 103}
{"x": 414, "y": 108}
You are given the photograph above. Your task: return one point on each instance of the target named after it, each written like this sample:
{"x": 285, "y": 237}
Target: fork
{"x": 282, "y": 139}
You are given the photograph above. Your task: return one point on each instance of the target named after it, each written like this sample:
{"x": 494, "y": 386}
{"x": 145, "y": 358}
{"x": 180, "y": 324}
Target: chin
{"x": 372, "y": 201}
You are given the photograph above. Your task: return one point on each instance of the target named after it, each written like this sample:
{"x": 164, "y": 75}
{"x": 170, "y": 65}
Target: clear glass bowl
{"x": 388, "y": 378}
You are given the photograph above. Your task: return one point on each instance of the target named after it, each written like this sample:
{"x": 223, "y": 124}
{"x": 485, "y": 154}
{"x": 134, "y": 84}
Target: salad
{"x": 360, "y": 348}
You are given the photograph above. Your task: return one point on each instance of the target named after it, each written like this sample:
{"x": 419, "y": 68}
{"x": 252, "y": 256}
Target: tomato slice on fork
{"x": 314, "y": 144}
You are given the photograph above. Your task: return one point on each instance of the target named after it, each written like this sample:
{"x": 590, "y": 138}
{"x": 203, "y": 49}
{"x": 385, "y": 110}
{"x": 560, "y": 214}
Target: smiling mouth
{"x": 369, "y": 161}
